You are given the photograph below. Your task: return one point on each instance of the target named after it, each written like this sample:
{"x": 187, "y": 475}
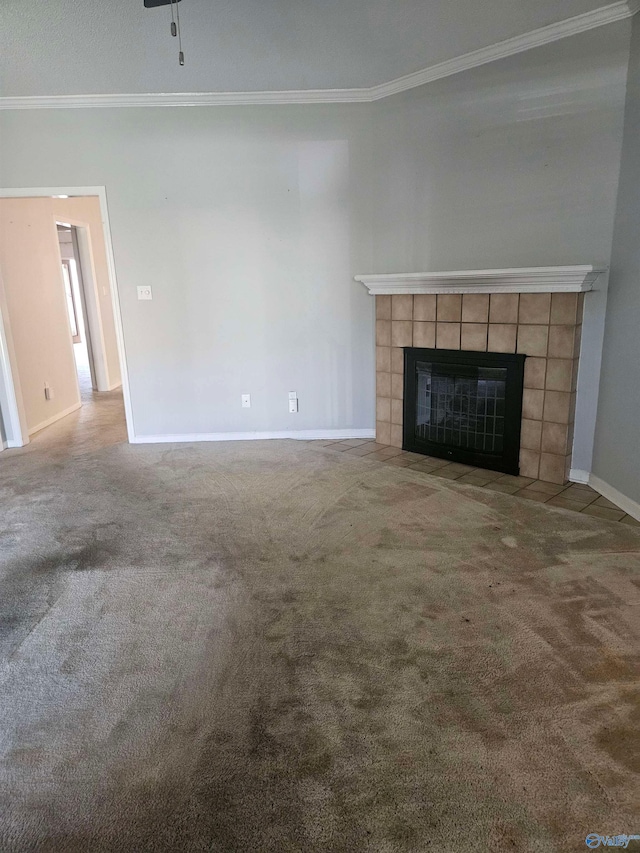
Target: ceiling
{"x": 72, "y": 47}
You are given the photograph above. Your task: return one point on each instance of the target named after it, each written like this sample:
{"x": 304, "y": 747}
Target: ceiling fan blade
{"x": 150, "y": 4}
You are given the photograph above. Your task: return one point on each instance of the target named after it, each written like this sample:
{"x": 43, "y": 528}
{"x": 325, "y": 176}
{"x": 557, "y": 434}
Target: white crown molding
{"x": 519, "y": 44}
{"x": 572, "y": 279}
{"x": 188, "y": 99}
{"x": 609, "y": 14}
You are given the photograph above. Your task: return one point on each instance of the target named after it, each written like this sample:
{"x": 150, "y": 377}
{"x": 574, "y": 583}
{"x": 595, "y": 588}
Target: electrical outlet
{"x": 246, "y": 401}
{"x": 293, "y": 406}
{"x": 293, "y": 395}
{"x": 144, "y": 292}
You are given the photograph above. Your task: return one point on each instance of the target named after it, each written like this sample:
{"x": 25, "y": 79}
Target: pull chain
{"x": 174, "y": 30}
{"x": 180, "y": 53}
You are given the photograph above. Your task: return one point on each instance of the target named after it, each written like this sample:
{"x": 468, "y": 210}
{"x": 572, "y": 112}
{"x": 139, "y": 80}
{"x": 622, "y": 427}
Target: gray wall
{"x": 513, "y": 164}
{"x": 249, "y": 224}
{"x": 616, "y": 455}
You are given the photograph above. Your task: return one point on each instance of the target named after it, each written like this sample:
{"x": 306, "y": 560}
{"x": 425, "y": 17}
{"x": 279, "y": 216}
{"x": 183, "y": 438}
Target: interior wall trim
{"x": 300, "y": 435}
{"x": 58, "y": 417}
{"x": 626, "y": 503}
{"x": 609, "y": 14}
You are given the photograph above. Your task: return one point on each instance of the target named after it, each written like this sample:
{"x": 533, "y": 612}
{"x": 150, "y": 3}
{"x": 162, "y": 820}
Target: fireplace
{"x": 464, "y": 406}
{"x": 533, "y": 312}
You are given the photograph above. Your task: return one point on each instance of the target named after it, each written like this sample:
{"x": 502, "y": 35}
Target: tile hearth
{"x": 577, "y": 497}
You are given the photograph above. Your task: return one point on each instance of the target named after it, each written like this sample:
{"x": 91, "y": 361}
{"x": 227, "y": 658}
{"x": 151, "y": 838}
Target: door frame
{"x": 13, "y": 421}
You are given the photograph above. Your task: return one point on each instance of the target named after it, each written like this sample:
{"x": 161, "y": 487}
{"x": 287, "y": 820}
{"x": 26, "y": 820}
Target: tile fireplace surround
{"x": 544, "y": 324}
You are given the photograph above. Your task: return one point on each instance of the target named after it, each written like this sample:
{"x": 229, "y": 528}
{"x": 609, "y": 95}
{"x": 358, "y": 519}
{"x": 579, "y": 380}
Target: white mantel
{"x": 573, "y": 279}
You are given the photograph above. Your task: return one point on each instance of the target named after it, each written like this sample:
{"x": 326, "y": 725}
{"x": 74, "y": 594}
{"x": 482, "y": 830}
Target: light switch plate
{"x": 246, "y": 401}
{"x": 144, "y": 292}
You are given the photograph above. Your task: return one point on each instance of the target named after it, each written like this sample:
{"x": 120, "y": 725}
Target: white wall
{"x": 616, "y": 457}
{"x": 249, "y": 223}
{"x": 36, "y": 309}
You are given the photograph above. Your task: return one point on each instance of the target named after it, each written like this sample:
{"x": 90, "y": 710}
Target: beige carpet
{"x": 259, "y": 647}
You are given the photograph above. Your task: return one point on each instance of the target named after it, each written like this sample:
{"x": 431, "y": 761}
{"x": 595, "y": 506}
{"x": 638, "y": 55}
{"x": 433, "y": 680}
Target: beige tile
{"x": 565, "y": 503}
{"x": 446, "y": 473}
{"x": 529, "y": 463}
{"x": 397, "y": 408}
{"x": 534, "y": 308}
{"x": 383, "y": 307}
{"x": 475, "y": 479}
{"x": 364, "y": 450}
{"x": 383, "y": 359}
{"x": 561, "y": 341}
{"x": 605, "y": 503}
{"x": 548, "y": 488}
{"x": 397, "y": 360}
{"x": 424, "y": 334}
{"x": 502, "y": 336}
{"x": 530, "y": 436}
{"x": 581, "y": 492}
{"x": 564, "y": 308}
{"x": 530, "y": 495}
{"x": 512, "y": 480}
{"x": 402, "y": 307}
{"x": 383, "y": 333}
{"x": 383, "y": 432}
{"x": 354, "y": 442}
{"x": 401, "y": 333}
{"x": 386, "y": 453}
{"x": 557, "y": 408}
{"x": 507, "y": 488}
{"x": 559, "y": 374}
{"x": 629, "y": 519}
{"x": 399, "y": 461}
{"x": 603, "y": 512}
{"x": 535, "y": 370}
{"x": 532, "y": 404}
{"x": 448, "y": 335}
{"x": 397, "y": 386}
{"x": 424, "y": 307}
{"x": 475, "y": 308}
{"x": 383, "y": 410}
{"x": 449, "y": 308}
{"x": 396, "y": 435}
{"x": 555, "y": 438}
{"x": 532, "y": 340}
{"x": 552, "y": 468}
{"x": 383, "y": 384}
{"x": 474, "y": 335}
{"x": 503, "y": 308}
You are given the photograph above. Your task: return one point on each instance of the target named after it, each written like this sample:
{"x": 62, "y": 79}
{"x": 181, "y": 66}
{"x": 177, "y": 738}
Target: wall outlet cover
{"x": 246, "y": 401}
{"x": 144, "y": 292}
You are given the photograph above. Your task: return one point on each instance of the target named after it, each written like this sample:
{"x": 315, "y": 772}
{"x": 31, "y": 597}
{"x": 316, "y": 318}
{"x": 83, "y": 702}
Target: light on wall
{"x": 175, "y": 21}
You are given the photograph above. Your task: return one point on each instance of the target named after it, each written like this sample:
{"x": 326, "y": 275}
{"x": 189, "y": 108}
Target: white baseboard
{"x": 55, "y": 418}
{"x": 300, "y": 435}
{"x": 114, "y": 386}
{"x": 576, "y": 475}
{"x": 630, "y": 506}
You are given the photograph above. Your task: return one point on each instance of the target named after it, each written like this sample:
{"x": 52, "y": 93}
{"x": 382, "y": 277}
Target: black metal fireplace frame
{"x": 508, "y": 460}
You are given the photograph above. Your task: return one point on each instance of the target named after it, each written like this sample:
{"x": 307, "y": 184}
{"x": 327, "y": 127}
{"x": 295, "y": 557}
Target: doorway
{"x": 72, "y": 295}
{"x": 74, "y": 285}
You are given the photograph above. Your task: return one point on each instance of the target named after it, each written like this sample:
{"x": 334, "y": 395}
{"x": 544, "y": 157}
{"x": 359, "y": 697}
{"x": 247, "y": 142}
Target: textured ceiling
{"x": 117, "y": 46}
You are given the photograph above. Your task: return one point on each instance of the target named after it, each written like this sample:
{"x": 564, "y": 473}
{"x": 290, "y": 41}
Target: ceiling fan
{"x": 175, "y": 21}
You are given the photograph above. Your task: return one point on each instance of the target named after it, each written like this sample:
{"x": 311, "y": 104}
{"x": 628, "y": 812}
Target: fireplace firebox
{"x": 464, "y": 406}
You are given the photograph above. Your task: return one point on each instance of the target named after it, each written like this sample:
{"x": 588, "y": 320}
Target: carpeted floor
{"x": 256, "y": 646}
